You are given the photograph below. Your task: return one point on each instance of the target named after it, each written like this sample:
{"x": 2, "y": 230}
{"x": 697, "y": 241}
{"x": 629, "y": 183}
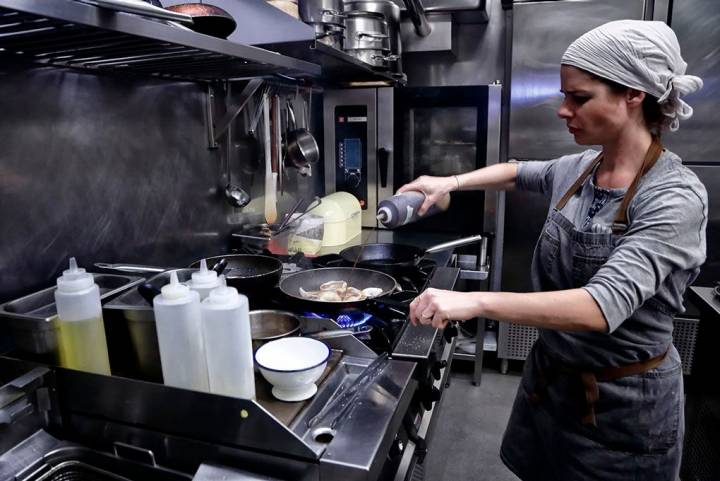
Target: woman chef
{"x": 601, "y": 396}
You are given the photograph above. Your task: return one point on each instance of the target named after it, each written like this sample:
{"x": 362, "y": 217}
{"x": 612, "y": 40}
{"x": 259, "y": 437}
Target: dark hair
{"x": 652, "y": 113}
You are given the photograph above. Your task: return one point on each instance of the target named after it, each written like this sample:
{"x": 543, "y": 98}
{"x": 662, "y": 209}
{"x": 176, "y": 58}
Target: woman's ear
{"x": 634, "y": 98}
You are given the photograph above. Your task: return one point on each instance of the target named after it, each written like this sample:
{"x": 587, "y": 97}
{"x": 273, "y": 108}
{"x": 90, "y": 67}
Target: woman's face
{"x": 594, "y": 114}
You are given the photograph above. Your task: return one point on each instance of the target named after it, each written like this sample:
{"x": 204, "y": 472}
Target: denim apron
{"x": 575, "y": 420}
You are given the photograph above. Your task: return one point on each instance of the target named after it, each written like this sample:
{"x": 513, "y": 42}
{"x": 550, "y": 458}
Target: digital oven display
{"x": 353, "y": 154}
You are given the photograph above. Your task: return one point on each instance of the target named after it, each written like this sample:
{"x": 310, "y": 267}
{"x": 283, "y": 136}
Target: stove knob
{"x": 437, "y": 368}
{"x": 450, "y": 331}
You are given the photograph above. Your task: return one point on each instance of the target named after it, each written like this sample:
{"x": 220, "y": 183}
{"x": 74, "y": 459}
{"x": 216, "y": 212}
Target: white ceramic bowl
{"x": 292, "y": 365}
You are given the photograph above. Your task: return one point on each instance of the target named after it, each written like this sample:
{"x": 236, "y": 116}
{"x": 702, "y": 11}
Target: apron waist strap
{"x": 590, "y": 378}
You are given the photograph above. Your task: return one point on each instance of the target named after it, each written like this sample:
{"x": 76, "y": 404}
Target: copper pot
{"x": 207, "y": 19}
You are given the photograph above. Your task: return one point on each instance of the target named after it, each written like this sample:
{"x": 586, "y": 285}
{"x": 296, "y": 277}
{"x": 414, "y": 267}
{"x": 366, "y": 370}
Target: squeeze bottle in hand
{"x": 401, "y": 209}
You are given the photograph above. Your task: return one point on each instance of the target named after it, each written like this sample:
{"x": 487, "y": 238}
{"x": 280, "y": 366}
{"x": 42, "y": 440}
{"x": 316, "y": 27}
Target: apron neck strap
{"x": 620, "y": 224}
{"x": 579, "y": 182}
{"x": 653, "y": 154}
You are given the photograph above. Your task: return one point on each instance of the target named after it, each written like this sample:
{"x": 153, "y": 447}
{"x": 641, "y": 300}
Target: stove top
{"x": 380, "y": 323}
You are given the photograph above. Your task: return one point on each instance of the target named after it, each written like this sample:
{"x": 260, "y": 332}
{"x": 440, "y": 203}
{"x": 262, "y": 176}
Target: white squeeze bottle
{"x": 228, "y": 342}
{"x": 179, "y": 332}
{"x": 82, "y": 342}
{"x": 204, "y": 280}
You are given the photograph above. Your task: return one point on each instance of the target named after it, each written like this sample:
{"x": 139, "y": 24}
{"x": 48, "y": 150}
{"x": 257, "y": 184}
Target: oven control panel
{"x": 351, "y": 133}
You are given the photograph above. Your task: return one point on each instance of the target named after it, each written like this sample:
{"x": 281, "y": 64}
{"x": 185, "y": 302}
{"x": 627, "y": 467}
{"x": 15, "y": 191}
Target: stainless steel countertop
{"x": 707, "y": 296}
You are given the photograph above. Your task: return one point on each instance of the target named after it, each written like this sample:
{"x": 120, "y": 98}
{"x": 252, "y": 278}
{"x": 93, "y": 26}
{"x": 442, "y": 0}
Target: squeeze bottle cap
{"x": 204, "y": 277}
{"x": 174, "y": 290}
{"x": 74, "y": 279}
{"x": 223, "y": 295}
{"x": 384, "y": 215}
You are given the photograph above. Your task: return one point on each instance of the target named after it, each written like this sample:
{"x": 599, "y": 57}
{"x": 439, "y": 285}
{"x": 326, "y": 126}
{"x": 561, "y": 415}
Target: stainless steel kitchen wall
{"x": 112, "y": 169}
{"x": 478, "y": 60}
{"x": 697, "y": 24}
{"x": 541, "y": 33}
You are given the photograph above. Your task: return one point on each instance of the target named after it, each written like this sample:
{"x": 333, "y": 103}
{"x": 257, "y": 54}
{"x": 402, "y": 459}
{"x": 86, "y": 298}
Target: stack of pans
{"x": 327, "y": 18}
{"x": 368, "y": 39}
{"x": 391, "y": 11}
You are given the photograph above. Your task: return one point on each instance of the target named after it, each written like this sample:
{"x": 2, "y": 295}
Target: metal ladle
{"x": 235, "y": 195}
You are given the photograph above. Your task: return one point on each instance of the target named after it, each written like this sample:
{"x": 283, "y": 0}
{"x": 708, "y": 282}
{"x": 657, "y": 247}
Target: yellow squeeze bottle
{"x": 81, "y": 334}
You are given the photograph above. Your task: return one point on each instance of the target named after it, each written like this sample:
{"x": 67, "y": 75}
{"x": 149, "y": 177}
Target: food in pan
{"x": 339, "y": 291}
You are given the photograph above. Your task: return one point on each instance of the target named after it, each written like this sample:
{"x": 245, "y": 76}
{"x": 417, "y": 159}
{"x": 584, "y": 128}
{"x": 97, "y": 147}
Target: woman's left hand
{"x": 436, "y": 307}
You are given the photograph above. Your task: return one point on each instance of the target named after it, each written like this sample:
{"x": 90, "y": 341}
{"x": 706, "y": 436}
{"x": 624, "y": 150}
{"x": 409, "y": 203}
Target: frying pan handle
{"x": 148, "y": 292}
{"x": 220, "y": 266}
{"x": 130, "y": 267}
{"x": 456, "y": 243}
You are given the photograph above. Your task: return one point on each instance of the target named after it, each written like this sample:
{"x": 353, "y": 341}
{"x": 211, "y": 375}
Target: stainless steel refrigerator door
{"x": 710, "y": 176}
{"x": 541, "y": 33}
{"x": 696, "y": 24}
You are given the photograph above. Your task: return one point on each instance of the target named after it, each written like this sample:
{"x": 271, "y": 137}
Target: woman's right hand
{"x": 434, "y": 189}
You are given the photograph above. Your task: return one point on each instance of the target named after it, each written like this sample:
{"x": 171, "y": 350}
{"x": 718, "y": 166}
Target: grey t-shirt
{"x": 661, "y": 252}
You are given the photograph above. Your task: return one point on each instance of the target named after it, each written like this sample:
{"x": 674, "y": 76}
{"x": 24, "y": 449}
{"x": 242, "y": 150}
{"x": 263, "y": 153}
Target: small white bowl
{"x": 292, "y": 365}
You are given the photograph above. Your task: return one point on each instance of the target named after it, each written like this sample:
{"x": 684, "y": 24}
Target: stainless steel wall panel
{"x": 479, "y": 55}
{"x": 111, "y": 169}
{"x": 710, "y": 176}
{"x": 697, "y": 25}
{"x": 541, "y": 33}
{"x": 661, "y": 10}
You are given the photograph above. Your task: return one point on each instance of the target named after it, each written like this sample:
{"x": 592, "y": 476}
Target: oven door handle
{"x": 383, "y": 155}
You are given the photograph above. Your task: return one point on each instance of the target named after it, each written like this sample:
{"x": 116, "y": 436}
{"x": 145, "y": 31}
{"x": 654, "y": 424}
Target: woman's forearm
{"x": 496, "y": 177}
{"x": 566, "y": 310}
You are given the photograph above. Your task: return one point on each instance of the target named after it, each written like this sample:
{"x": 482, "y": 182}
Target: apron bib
{"x": 572, "y": 422}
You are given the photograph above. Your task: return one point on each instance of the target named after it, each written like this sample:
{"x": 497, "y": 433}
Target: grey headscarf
{"x": 642, "y": 55}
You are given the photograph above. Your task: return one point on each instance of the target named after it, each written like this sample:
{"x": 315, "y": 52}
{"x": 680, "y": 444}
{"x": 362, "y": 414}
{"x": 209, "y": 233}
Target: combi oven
{"x": 377, "y": 139}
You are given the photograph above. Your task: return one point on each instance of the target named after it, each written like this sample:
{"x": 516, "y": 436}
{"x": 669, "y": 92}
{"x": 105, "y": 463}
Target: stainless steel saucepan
{"x": 268, "y": 325}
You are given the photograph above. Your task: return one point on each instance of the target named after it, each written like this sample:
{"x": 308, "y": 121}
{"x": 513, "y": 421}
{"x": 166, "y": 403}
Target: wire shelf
{"x": 66, "y": 33}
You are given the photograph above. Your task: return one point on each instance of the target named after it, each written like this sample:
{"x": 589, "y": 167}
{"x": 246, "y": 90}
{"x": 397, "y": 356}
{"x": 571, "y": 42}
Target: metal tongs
{"x": 339, "y": 406}
{"x": 288, "y": 220}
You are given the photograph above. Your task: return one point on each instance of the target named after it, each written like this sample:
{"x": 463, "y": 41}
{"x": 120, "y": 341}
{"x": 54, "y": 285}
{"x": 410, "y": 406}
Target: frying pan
{"x": 207, "y": 19}
{"x": 397, "y": 255}
{"x": 311, "y": 279}
{"x": 248, "y": 272}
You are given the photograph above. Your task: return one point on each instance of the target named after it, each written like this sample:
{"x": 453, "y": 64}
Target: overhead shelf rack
{"x": 338, "y": 67}
{"x": 67, "y": 33}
